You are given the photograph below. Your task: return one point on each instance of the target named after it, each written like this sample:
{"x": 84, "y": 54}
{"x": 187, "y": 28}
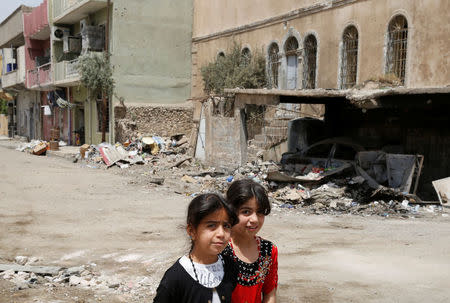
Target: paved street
{"x": 68, "y": 215}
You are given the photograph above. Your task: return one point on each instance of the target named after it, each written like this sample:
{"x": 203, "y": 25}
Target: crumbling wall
{"x": 410, "y": 130}
{"x": 164, "y": 121}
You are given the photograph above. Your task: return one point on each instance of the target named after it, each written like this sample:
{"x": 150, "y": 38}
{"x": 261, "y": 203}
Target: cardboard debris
{"x": 442, "y": 187}
{"x": 40, "y": 148}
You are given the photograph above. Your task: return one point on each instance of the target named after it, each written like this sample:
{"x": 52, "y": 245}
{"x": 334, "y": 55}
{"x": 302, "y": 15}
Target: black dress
{"x": 178, "y": 286}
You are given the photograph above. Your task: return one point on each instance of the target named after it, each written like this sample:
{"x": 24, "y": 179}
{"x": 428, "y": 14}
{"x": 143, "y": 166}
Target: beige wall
{"x": 212, "y": 16}
{"x": 428, "y": 43}
{"x": 151, "y": 50}
{"x": 3, "y": 125}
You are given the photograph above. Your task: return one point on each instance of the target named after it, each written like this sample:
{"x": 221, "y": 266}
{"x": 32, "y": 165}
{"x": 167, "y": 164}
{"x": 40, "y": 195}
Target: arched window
{"x": 274, "y": 63}
{"x": 246, "y": 56}
{"x": 349, "y": 57}
{"x": 291, "y": 49}
{"x": 397, "y": 47}
{"x": 310, "y": 62}
{"x": 220, "y": 55}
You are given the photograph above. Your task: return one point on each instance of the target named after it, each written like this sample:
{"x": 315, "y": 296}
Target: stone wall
{"x": 163, "y": 121}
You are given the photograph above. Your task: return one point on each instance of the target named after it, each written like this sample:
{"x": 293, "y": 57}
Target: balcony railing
{"x": 80, "y": 8}
{"x": 40, "y": 76}
{"x": 67, "y": 72}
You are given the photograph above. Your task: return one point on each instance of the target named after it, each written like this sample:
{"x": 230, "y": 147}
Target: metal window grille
{"x": 397, "y": 47}
{"x": 309, "y": 70}
{"x": 274, "y": 63}
{"x": 291, "y": 46}
{"x": 246, "y": 56}
{"x": 349, "y": 64}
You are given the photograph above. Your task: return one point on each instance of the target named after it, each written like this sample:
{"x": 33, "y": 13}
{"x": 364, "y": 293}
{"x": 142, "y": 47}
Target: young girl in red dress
{"x": 256, "y": 258}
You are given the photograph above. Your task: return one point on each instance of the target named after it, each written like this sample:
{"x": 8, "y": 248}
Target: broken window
{"x": 310, "y": 56}
{"x": 246, "y": 56}
{"x": 349, "y": 65}
{"x": 291, "y": 49}
{"x": 274, "y": 63}
{"x": 397, "y": 47}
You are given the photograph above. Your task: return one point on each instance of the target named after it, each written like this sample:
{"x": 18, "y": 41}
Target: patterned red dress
{"x": 257, "y": 278}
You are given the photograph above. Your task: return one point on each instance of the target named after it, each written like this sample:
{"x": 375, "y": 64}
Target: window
{"x": 397, "y": 47}
{"x": 291, "y": 48}
{"x": 246, "y": 56}
{"x": 309, "y": 69}
{"x": 274, "y": 63}
{"x": 349, "y": 56}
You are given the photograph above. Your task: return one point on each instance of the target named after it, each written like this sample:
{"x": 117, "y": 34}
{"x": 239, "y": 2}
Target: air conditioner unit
{"x": 58, "y": 33}
{"x": 72, "y": 44}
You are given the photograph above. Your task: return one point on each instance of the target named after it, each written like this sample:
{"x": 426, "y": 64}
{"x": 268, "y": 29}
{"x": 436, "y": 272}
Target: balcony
{"x": 66, "y": 73}
{"x": 72, "y": 11}
{"x": 12, "y": 79}
{"x": 40, "y": 77}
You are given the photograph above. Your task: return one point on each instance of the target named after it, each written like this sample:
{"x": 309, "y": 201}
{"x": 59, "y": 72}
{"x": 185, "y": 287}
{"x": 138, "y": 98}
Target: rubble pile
{"x": 142, "y": 150}
{"x": 85, "y": 276}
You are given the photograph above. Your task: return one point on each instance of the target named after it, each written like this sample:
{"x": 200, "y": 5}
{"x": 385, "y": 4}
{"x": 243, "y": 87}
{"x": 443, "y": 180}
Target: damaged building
{"x": 372, "y": 72}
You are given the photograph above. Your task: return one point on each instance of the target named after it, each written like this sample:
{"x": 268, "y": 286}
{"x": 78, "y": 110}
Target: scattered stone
{"x": 21, "y": 260}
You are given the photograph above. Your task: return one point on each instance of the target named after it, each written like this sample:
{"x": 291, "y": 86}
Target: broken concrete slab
{"x": 40, "y": 270}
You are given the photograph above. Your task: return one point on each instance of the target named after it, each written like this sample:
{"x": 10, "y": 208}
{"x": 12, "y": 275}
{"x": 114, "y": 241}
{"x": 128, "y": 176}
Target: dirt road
{"x": 128, "y": 234}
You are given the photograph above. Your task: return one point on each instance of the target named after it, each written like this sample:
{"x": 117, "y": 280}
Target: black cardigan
{"x": 177, "y": 286}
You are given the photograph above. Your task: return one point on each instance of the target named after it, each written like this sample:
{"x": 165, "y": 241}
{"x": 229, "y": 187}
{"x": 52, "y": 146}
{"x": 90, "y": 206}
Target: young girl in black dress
{"x": 203, "y": 275}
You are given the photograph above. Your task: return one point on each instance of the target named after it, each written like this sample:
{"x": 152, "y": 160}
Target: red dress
{"x": 257, "y": 278}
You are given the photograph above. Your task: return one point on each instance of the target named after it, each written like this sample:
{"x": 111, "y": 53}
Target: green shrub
{"x": 234, "y": 70}
{"x": 96, "y": 73}
{"x": 3, "y": 106}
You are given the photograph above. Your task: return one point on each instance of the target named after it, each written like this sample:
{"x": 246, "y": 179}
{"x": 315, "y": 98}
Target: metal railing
{"x": 40, "y": 76}
{"x": 66, "y": 70}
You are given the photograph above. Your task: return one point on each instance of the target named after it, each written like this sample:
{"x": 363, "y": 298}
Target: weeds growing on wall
{"x": 235, "y": 70}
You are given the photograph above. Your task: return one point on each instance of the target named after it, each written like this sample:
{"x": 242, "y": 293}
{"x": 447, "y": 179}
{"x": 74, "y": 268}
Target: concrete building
{"x": 324, "y": 53}
{"x": 24, "y": 118}
{"x": 329, "y": 43}
{"x": 149, "y": 42}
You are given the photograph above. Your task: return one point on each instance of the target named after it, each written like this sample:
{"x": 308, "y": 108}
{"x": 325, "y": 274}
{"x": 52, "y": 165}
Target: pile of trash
{"x": 140, "y": 150}
{"x": 39, "y": 147}
{"x": 347, "y": 193}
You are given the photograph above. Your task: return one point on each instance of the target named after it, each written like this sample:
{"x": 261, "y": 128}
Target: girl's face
{"x": 211, "y": 236}
{"x": 250, "y": 220}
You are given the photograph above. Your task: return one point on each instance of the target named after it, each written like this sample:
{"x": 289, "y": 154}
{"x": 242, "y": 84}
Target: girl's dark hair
{"x": 241, "y": 191}
{"x": 204, "y": 205}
